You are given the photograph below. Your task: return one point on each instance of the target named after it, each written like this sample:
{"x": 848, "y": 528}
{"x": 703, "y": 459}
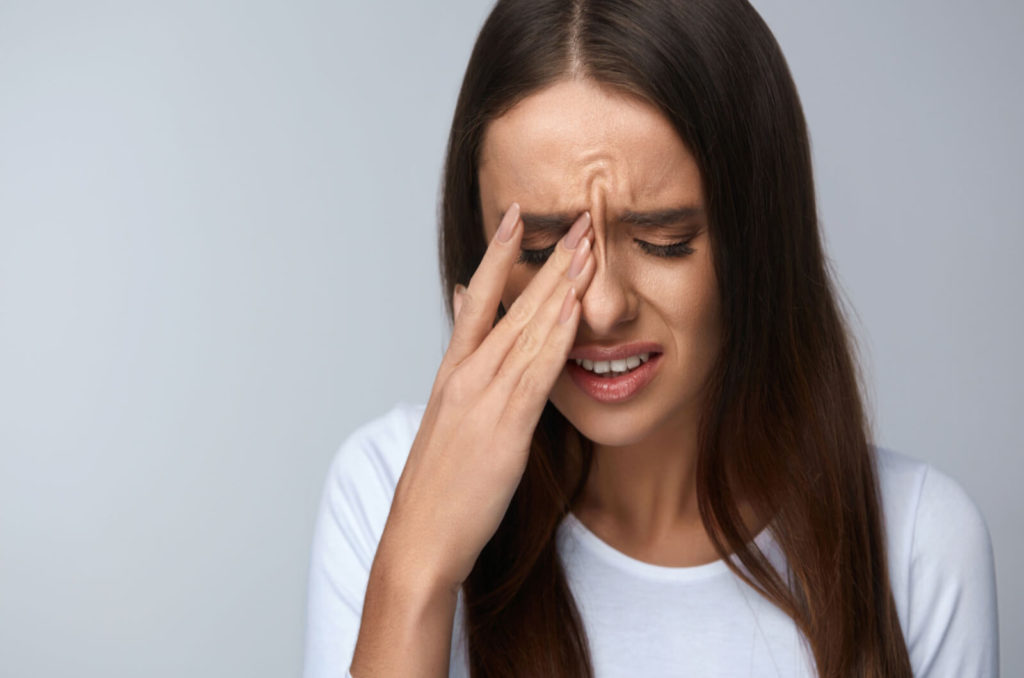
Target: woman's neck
{"x": 642, "y": 500}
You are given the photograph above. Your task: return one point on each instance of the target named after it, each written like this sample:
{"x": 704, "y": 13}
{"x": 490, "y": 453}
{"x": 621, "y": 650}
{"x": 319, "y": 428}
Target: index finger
{"x": 480, "y": 299}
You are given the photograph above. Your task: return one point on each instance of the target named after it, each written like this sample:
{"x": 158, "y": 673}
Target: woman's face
{"x": 578, "y": 146}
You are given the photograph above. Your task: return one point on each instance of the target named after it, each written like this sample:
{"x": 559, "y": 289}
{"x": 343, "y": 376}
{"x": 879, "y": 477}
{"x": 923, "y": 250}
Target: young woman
{"x": 645, "y": 452}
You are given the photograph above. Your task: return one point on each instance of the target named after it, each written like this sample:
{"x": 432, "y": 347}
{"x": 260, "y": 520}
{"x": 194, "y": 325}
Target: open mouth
{"x": 609, "y": 369}
{"x": 620, "y": 382}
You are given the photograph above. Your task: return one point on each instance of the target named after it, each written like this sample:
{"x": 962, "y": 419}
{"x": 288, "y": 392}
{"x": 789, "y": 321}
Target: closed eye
{"x": 676, "y": 249}
{"x": 537, "y": 257}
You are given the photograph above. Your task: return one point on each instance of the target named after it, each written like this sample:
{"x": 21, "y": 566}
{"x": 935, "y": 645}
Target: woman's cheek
{"x": 517, "y": 282}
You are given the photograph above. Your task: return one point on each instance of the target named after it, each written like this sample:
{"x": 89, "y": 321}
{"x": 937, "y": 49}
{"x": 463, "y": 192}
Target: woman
{"x": 657, "y": 462}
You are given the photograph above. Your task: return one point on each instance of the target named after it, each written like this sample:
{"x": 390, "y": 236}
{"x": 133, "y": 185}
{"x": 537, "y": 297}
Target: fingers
{"x": 525, "y": 398}
{"x": 553, "y": 280}
{"x": 479, "y": 301}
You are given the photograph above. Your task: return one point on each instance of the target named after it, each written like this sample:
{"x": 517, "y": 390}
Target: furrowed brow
{"x": 656, "y": 218}
{"x": 548, "y": 224}
{"x": 559, "y": 223}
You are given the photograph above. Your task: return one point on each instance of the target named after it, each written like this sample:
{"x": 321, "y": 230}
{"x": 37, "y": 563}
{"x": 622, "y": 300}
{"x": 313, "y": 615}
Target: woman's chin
{"x": 604, "y": 429}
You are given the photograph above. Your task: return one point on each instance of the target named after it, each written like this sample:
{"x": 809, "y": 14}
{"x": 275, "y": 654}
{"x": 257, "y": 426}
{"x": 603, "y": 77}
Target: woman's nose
{"x": 608, "y": 302}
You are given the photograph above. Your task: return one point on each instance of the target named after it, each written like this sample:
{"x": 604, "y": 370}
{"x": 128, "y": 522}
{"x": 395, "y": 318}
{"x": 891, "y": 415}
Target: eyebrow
{"x": 562, "y": 221}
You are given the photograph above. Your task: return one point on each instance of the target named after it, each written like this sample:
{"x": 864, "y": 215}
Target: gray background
{"x": 217, "y": 257}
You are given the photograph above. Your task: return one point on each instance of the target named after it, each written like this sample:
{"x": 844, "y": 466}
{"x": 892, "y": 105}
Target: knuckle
{"x": 529, "y": 387}
{"x": 457, "y": 388}
{"x": 528, "y": 341}
{"x": 519, "y": 313}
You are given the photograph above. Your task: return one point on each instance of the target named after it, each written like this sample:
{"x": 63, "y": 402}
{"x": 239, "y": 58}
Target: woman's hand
{"x": 474, "y": 439}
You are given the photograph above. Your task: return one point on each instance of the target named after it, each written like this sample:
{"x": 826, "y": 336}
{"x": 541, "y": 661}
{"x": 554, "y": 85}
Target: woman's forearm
{"x": 406, "y": 627}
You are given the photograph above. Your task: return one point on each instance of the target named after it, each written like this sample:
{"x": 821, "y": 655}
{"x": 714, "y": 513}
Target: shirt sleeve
{"x": 353, "y": 510}
{"x": 953, "y": 625}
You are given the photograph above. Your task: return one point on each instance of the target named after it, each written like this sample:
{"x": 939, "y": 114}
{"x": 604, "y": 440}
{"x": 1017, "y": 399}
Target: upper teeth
{"x": 603, "y": 366}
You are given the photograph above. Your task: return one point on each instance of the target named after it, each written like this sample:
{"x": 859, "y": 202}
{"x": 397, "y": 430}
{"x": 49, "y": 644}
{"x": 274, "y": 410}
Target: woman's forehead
{"x": 575, "y": 140}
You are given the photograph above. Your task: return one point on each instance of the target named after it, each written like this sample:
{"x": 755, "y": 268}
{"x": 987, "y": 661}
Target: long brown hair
{"x": 785, "y": 425}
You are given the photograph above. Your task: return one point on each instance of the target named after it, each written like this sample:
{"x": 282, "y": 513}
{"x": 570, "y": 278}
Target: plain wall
{"x": 218, "y": 257}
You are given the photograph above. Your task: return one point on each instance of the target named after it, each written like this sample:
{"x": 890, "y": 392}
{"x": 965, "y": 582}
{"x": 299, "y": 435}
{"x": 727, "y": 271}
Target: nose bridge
{"x": 609, "y": 300}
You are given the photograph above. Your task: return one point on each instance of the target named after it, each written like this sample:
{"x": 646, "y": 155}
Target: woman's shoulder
{"x": 360, "y": 486}
{"x": 924, "y": 506}
{"x": 353, "y": 511}
{"x": 374, "y": 453}
{"x": 941, "y": 567}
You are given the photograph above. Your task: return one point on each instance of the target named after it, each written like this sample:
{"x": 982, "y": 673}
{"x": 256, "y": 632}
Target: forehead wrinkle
{"x": 597, "y": 176}
{"x": 638, "y": 175}
{"x": 553, "y": 154}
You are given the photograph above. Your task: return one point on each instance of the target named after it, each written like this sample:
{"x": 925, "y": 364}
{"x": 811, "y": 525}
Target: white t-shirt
{"x": 647, "y": 620}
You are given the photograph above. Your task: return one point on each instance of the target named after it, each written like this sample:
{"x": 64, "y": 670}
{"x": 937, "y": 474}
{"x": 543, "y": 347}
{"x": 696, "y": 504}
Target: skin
{"x": 578, "y": 145}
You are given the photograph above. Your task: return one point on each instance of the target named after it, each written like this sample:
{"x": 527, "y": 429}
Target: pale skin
{"x": 579, "y": 146}
{"x": 577, "y": 150}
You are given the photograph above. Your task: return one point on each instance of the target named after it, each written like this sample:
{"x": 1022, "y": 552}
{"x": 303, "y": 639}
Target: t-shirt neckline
{"x": 639, "y": 568}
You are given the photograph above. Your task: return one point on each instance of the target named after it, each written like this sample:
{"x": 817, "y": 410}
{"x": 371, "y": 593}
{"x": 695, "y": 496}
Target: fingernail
{"x": 567, "y": 306}
{"x": 572, "y": 238}
{"x": 579, "y": 259}
{"x": 508, "y": 223}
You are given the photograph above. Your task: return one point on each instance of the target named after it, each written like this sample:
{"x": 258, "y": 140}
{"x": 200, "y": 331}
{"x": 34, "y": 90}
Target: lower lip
{"x": 613, "y": 389}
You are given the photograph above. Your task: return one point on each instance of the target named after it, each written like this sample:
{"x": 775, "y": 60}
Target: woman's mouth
{"x": 612, "y": 381}
{"x": 613, "y": 368}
